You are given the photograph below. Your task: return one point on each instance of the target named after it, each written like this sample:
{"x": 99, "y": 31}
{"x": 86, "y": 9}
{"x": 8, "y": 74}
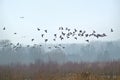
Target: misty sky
{"x": 99, "y": 15}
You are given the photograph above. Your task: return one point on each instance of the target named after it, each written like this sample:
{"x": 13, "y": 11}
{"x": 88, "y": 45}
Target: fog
{"x": 91, "y": 52}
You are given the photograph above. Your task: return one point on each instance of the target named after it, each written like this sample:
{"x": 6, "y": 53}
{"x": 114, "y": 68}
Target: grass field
{"x": 67, "y": 71}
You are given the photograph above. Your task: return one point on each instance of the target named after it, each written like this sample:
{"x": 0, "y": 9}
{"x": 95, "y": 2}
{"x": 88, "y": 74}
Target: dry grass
{"x": 53, "y": 71}
{"x": 60, "y": 76}
{"x": 76, "y": 76}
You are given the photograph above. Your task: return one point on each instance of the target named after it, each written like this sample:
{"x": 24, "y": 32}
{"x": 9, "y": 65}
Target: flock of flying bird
{"x": 64, "y": 33}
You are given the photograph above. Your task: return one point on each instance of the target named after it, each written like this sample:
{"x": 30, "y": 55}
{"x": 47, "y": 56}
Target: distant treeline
{"x": 92, "y": 52}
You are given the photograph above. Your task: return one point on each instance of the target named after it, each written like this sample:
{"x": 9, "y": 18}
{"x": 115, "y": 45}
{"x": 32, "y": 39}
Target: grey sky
{"x": 99, "y": 15}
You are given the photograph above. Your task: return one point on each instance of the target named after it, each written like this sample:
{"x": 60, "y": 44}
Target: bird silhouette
{"x": 75, "y": 38}
{"x": 75, "y": 30}
{"x": 46, "y": 40}
{"x": 87, "y": 40}
{"x": 40, "y": 45}
{"x": 14, "y": 47}
{"x": 68, "y": 29}
{"x": 98, "y": 35}
{"x": 104, "y": 35}
{"x": 55, "y": 35}
{"x": 79, "y": 34}
{"x": 83, "y": 33}
{"x": 73, "y": 34}
{"x": 4, "y": 46}
{"x": 32, "y": 39}
{"x": 68, "y": 37}
{"x": 86, "y": 35}
{"x": 11, "y": 43}
{"x": 28, "y": 45}
{"x": 92, "y": 35}
{"x": 70, "y": 33}
{"x": 56, "y": 46}
{"x": 15, "y": 33}
{"x": 33, "y": 47}
{"x": 59, "y": 44}
{"x": 49, "y": 47}
{"x": 111, "y": 30}
{"x": 80, "y": 31}
{"x": 38, "y": 29}
{"x": 4, "y": 28}
{"x": 63, "y": 33}
{"x": 22, "y": 17}
{"x": 45, "y": 31}
{"x": 61, "y": 37}
{"x": 60, "y": 28}
{"x": 42, "y": 35}
{"x": 17, "y": 43}
{"x": 54, "y": 39}
{"x": 19, "y": 46}
{"x": 63, "y": 47}
{"x": 94, "y": 31}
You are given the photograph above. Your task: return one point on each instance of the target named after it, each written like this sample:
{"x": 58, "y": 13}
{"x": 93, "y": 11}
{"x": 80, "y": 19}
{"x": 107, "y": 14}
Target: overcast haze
{"x": 99, "y": 15}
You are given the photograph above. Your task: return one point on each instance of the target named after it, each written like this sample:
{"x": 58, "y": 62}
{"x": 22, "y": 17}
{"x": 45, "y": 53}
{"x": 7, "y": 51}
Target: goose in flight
{"x": 49, "y": 47}
{"x": 42, "y": 35}
{"x": 75, "y": 38}
{"x": 28, "y": 45}
{"x": 87, "y": 40}
{"x": 21, "y": 17}
{"x": 15, "y": 33}
{"x": 94, "y": 31}
{"x": 63, "y": 33}
{"x": 83, "y": 33}
{"x": 104, "y": 35}
{"x": 61, "y": 37}
{"x": 80, "y": 31}
{"x": 63, "y": 47}
{"x": 46, "y": 40}
{"x": 86, "y": 35}
{"x": 32, "y": 39}
{"x": 45, "y": 31}
{"x": 75, "y": 30}
{"x": 4, "y": 28}
{"x": 60, "y": 28}
{"x": 56, "y": 46}
{"x": 40, "y": 45}
{"x": 68, "y": 29}
{"x": 54, "y": 39}
{"x": 38, "y": 29}
{"x": 55, "y": 35}
{"x": 18, "y": 43}
{"x": 68, "y": 37}
{"x": 59, "y": 44}
{"x": 111, "y": 30}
